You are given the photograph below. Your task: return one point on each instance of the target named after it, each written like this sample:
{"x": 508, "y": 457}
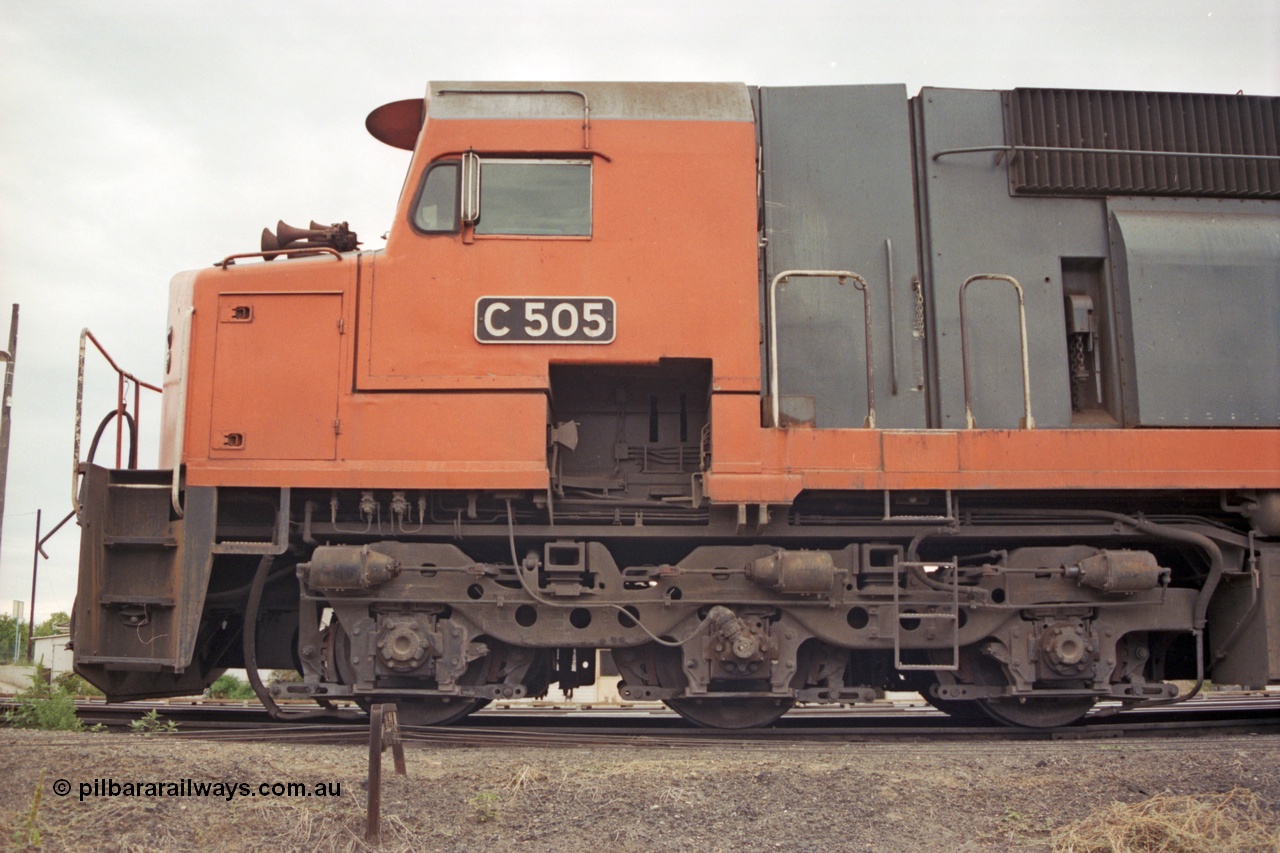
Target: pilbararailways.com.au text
{"x": 225, "y": 790}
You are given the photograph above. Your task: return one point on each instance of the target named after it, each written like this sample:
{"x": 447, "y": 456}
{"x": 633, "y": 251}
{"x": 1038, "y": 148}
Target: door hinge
{"x": 342, "y": 325}
{"x": 337, "y": 426}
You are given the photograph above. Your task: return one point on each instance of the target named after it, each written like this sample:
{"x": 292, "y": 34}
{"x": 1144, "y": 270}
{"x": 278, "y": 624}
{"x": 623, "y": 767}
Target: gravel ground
{"x": 868, "y": 796}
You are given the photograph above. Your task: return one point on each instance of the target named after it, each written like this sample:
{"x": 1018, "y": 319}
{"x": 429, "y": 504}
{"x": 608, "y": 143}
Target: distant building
{"x": 52, "y": 653}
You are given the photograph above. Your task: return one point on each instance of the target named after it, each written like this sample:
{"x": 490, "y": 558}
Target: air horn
{"x": 337, "y": 236}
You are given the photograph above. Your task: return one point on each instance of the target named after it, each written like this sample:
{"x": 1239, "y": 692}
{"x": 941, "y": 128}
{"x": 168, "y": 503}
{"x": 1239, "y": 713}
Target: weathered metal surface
{"x": 1120, "y": 571}
{"x": 337, "y": 236}
{"x": 601, "y": 101}
{"x": 142, "y": 585}
{"x": 837, "y": 194}
{"x": 347, "y": 568}
{"x": 1198, "y": 283}
{"x": 974, "y": 226}
{"x": 803, "y": 572}
{"x": 383, "y": 732}
{"x": 1245, "y": 615}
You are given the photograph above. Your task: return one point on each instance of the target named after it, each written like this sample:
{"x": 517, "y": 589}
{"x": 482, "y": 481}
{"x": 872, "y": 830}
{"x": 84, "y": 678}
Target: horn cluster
{"x": 336, "y": 236}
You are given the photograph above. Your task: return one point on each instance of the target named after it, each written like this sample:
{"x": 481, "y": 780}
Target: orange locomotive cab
{"x": 548, "y": 420}
{"x": 609, "y": 224}
{"x": 626, "y": 213}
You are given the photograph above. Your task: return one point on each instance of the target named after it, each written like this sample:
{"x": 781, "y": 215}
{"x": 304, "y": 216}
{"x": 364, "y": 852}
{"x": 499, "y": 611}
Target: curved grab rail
{"x": 297, "y": 251}
{"x": 180, "y": 429}
{"x": 122, "y": 377}
{"x": 1028, "y": 422}
{"x": 586, "y": 105}
{"x": 1013, "y": 151}
{"x": 840, "y": 275}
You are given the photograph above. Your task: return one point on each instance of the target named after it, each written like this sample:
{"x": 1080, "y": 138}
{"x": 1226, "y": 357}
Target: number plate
{"x": 545, "y": 320}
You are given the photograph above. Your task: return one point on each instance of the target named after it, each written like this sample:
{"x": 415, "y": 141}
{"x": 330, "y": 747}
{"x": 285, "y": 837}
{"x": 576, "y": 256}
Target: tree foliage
{"x": 229, "y": 687}
{"x": 51, "y": 626}
{"x": 8, "y": 627}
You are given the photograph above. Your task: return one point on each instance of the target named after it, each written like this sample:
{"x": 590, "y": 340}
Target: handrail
{"x": 122, "y": 376}
{"x": 893, "y": 319}
{"x": 180, "y": 408}
{"x": 469, "y": 201}
{"x": 1028, "y": 422}
{"x": 299, "y": 251}
{"x": 1012, "y": 151}
{"x": 860, "y": 284}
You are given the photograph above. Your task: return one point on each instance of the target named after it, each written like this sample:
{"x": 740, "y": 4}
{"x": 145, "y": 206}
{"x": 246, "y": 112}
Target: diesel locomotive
{"x": 775, "y": 395}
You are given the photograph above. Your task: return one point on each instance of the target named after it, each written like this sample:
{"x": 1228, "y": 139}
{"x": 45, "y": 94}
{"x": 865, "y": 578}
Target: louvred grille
{"x": 1216, "y": 129}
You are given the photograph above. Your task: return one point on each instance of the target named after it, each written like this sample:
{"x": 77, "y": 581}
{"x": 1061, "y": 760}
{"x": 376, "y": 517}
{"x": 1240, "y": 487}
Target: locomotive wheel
{"x": 715, "y": 713}
{"x": 1030, "y": 713}
{"x": 958, "y": 709}
{"x": 435, "y": 711}
{"x": 965, "y": 710}
{"x": 1036, "y": 713}
{"x": 711, "y": 712}
{"x": 415, "y": 710}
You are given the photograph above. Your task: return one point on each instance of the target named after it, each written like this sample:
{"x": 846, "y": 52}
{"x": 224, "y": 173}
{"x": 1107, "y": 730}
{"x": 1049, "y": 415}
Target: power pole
{"x": 8, "y": 356}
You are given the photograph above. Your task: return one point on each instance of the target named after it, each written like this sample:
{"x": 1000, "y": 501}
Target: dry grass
{"x": 866, "y": 797}
{"x": 1234, "y": 822}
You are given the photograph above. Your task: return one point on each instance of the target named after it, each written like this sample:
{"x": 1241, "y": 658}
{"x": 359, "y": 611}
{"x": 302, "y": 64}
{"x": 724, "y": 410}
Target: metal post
{"x": 35, "y": 567}
{"x": 391, "y": 723}
{"x": 384, "y": 731}
{"x": 31, "y": 620}
{"x": 17, "y": 628}
{"x": 373, "y": 806}
{"x": 10, "y": 356}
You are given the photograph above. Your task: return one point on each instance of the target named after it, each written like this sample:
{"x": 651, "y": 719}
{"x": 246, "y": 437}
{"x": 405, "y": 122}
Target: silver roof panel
{"x": 547, "y": 100}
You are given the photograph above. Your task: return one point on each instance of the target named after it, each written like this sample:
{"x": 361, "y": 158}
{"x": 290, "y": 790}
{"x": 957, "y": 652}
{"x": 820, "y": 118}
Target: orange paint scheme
{"x": 756, "y": 465}
{"x": 365, "y": 372}
{"x": 279, "y": 377}
{"x": 673, "y": 243}
{"x": 326, "y": 379}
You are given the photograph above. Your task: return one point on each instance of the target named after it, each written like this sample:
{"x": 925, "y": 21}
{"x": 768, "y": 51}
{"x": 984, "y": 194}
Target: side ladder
{"x": 920, "y": 613}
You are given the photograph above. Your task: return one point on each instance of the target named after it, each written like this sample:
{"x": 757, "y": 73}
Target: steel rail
{"x": 536, "y": 727}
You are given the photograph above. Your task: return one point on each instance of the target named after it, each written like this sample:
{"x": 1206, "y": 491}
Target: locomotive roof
{"x": 397, "y": 123}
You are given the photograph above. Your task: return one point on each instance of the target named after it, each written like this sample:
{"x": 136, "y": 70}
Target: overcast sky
{"x": 138, "y": 139}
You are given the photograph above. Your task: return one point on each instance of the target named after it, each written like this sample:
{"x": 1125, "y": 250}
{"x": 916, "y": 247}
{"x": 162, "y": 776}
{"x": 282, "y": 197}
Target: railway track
{"x": 653, "y": 725}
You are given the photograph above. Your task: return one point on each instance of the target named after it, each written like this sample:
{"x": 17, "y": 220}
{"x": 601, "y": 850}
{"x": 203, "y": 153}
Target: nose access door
{"x": 276, "y": 376}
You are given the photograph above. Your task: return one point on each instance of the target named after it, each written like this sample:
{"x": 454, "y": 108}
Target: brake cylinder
{"x": 794, "y": 571}
{"x": 1119, "y": 571}
{"x": 347, "y": 567}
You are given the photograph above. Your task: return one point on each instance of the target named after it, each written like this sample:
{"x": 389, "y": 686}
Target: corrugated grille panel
{"x": 1141, "y": 122}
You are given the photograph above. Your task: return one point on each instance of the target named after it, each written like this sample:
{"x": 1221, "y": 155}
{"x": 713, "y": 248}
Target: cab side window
{"x": 506, "y": 197}
{"x": 535, "y": 197}
{"x": 437, "y": 208}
